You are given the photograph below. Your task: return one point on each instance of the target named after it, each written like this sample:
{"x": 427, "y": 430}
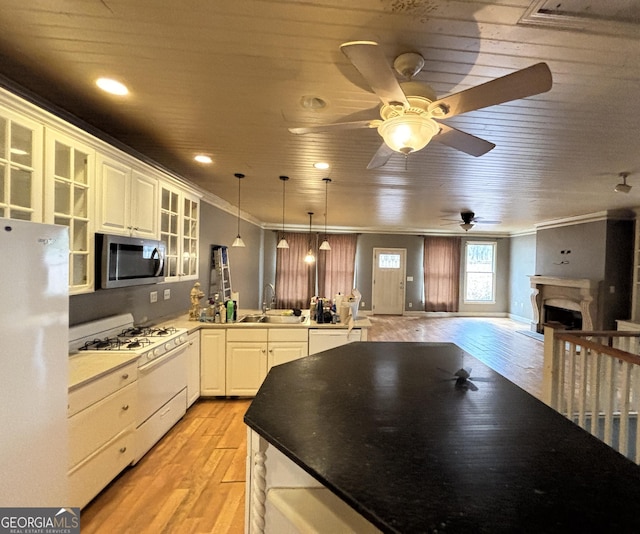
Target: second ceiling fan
{"x": 411, "y": 111}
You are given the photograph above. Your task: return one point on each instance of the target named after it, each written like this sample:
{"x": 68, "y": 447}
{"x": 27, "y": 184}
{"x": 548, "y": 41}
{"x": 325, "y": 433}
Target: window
{"x": 480, "y": 272}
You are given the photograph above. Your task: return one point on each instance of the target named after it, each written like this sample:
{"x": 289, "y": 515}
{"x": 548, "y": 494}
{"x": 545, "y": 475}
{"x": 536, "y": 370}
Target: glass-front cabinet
{"x": 179, "y": 212}
{"x": 20, "y": 167}
{"x": 69, "y": 177}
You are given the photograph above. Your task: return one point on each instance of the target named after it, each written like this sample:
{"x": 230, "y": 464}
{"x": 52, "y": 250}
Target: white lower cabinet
{"x": 286, "y": 345}
{"x": 246, "y": 360}
{"x": 102, "y": 421}
{"x": 235, "y": 361}
{"x": 213, "y": 362}
{"x": 193, "y": 368}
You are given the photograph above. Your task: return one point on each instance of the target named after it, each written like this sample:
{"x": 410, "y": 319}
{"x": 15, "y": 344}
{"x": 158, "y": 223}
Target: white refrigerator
{"x": 34, "y": 324}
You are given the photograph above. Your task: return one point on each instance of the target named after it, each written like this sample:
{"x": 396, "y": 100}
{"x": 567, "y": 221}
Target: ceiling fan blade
{"x": 380, "y": 158}
{"x": 369, "y": 59}
{"x": 520, "y": 84}
{"x": 462, "y": 141}
{"x": 335, "y": 126}
{"x": 482, "y": 221}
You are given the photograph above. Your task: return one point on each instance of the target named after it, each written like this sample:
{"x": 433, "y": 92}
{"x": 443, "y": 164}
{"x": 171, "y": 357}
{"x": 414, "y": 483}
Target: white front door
{"x": 389, "y": 268}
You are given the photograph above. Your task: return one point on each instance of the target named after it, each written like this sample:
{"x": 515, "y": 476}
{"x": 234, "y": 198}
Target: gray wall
{"x": 600, "y": 250}
{"x": 216, "y": 227}
{"x": 522, "y": 264}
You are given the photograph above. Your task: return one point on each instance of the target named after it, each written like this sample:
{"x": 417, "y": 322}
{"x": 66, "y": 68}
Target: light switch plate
{"x": 167, "y": 294}
{"x": 153, "y": 297}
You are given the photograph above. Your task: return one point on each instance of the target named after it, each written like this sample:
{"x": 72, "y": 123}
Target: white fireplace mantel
{"x": 579, "y": 294}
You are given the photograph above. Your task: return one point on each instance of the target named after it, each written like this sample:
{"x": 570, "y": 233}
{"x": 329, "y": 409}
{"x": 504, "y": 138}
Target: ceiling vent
{"x": 613, "y": 17}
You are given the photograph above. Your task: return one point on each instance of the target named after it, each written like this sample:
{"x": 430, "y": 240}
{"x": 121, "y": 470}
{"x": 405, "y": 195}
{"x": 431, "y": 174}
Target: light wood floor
{"x": 193, "y": 480}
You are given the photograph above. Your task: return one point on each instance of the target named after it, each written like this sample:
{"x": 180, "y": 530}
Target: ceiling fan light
{"x": 466, "y": 226}
{"x": 282, "y": 243}
{"x": 238, "y": 242}
{"x": 408, "y": 133}
{"x": 325, "y": 245}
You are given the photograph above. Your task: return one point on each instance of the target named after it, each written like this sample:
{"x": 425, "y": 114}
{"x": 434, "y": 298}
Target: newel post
{"x": 551, "y": 387}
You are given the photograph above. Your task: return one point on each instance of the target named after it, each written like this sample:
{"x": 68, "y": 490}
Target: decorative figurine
{"x": 196, "y": 295}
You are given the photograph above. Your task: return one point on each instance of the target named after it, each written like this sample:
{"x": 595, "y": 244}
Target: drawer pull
{"x": 125, "y": 407}
{"x": 125, "y": 376}
{"x": 123, "y": 449}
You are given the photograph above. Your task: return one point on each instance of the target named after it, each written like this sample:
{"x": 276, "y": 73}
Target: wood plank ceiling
{"x": 228, "y": 78}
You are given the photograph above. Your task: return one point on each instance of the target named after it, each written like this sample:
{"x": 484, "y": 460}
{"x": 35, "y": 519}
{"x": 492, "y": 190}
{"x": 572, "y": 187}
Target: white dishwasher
{"x": 321, "y": 339}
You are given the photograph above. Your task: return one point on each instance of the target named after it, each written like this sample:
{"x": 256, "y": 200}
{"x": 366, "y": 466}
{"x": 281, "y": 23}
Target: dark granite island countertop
{"x": 386, "y": 428}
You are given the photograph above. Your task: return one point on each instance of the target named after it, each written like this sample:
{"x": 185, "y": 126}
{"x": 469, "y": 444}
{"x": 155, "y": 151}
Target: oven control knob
{"x": 168, "y": 346}
{"x": 181, "y": 339}
{"x": 156, "y": 352}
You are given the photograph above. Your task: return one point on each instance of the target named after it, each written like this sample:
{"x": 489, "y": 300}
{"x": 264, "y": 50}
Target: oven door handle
{"x": 162, "y": 359}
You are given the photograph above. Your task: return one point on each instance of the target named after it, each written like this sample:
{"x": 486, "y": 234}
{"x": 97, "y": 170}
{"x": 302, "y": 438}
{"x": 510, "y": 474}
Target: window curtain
{"x": 295, "y": 279}
{"x": 336, "y": 267}
{"x": 441, "y": 273}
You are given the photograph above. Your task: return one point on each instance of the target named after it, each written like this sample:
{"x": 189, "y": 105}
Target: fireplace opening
{"x": 569, "y": 319}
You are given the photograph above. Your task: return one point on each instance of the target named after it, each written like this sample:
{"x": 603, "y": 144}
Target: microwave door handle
{"x": 156, "y": 252}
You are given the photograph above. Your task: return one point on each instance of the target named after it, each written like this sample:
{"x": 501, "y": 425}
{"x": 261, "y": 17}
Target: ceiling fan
{"x": 469, "y": 220}
{"x": 411, "y": 110}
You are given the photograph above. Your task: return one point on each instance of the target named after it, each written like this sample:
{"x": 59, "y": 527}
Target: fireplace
{"x": 569, "y": 301}
{"x": 569, "y": 319}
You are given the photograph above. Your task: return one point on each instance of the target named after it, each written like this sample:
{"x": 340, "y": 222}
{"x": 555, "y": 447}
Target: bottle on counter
{"x": 319, "y": 311}
{"x": 222, "y": 310}
{"x": 235, "y": 311}
{"x": 229, "y": 311}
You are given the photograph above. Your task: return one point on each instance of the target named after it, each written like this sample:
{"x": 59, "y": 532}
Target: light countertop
{"x": 86, "y": 367}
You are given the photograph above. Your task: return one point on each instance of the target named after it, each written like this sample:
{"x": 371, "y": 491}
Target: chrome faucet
{"x": 268, "y": 304}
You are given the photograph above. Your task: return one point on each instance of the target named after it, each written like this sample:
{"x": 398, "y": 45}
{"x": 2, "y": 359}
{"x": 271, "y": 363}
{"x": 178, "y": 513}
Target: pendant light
{"x": 310, "y": 257}
{"x": 283, "y": 242}
{"x": 325, "y": 244}
{"x": 238, "y": 242}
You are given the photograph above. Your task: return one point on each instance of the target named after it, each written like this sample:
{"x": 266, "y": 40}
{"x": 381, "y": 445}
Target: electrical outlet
{"x": 410, "y": 304}
{"x": 153, "y": 297}
{"x": 362, "y": 304}
{"x": 167, "y": 294}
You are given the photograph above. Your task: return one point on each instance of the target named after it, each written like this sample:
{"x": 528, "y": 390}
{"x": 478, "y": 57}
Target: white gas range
{"x": 162, "y": 369}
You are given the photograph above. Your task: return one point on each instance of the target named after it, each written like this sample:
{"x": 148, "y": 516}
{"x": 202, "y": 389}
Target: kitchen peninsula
{"x": 393, "y": 432}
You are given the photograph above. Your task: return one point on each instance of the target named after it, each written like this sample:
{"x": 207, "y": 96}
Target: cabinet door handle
{"x": 125, "y": 407}
{"x": 271, "y": 351}
{"x": 125, "y": 376}
{"x": 123, "y": 449}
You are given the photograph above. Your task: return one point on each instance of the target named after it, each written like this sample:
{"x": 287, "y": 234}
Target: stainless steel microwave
{"x": 128, "y": 261}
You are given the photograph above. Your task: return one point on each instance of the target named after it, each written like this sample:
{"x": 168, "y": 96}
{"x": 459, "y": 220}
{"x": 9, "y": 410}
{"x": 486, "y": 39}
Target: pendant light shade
{"x": 238, "y": 242}
{"x": 310, "y": 257}
{"x": 325, "y": 244}
{"x": 283, "y": 242}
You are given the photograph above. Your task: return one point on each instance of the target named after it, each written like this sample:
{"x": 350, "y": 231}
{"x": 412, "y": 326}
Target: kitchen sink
{"x": 253, "y": 319}
{"x": 275, "y": 319}
{"x": 284, "y": 319}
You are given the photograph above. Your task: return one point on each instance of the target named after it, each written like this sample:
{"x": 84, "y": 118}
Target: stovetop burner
{"x": 116, "y": 343}
{"x": 147, "y": 331}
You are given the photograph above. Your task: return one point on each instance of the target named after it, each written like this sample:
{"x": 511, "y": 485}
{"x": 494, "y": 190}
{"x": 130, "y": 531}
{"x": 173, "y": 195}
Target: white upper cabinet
{"x": 179, "y": 229}
{"x": 20, "y": 167}
{"x": 69, "y": 178}
{"x": 127, "y": 202}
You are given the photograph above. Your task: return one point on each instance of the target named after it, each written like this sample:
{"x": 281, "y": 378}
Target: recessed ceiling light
{"x": 111, "y": 86}
{"x": 321, "y": 165}
{"x": 202, "y": 158}
{"x": 312, "y": 102}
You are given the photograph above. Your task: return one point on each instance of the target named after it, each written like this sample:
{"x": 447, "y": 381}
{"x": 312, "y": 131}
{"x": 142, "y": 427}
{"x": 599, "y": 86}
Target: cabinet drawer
{"x": 90, "y": 393}
{"x": 91, "y": 428}
{"x": 288, "y": 334}
{"x": 88, "y": 478}
{"x": 247, "y": 334}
